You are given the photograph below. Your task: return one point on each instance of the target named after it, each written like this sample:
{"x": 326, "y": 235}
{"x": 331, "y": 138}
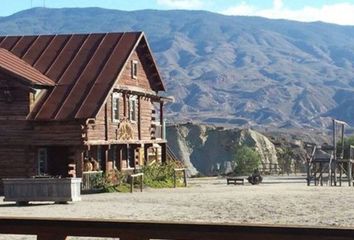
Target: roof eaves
{"x": 154, "y": 61}
{"x": 18, "y": 68}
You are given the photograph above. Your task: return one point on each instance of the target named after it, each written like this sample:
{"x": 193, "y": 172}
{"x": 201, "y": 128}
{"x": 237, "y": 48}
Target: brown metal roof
{"x": 18, "y": 68}
{"x": 84, "y": 68}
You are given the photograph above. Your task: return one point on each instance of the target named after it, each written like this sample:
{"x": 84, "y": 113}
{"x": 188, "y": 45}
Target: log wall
{"x": 22, "y": 132}
{"x": 14, "y": 99}
{"x": 16, "y": 161}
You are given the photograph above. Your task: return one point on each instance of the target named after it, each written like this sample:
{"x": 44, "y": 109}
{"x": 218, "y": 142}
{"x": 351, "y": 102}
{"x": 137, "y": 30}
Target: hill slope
{"x": 229, "y": 70}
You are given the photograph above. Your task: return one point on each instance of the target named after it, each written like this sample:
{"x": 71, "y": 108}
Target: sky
{"x": 332, "y": 11}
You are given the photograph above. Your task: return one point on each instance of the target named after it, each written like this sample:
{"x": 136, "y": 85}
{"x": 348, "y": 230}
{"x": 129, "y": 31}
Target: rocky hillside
{"x": 244, "y": 71}
{"x": 210, "y": 150}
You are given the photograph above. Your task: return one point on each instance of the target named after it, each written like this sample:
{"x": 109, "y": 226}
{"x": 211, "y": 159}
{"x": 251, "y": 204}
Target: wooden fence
{"x": 58, "y": 229}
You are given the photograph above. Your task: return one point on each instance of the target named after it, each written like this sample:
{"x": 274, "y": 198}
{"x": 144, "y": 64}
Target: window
{"x": 134, "y": 69}
{"x": 132, "y": 108}
{"x": 115, "y": 106}
{"x": 42, "y": 161}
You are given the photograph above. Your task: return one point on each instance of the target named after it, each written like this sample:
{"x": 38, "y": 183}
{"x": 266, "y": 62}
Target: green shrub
{"x": 160, "y": 176}
{"x": 112, "y": 181}
{"x": 246, "y": 160}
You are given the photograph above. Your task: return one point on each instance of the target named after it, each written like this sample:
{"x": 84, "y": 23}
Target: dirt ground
{"x": 278, "y": 200}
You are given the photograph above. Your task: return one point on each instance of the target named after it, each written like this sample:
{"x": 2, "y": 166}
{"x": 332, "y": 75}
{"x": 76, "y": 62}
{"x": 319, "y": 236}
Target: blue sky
{"x": 333, "y": 11}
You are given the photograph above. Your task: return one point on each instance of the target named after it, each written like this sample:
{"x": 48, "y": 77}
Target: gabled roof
{"x": 83, "y": 67}
{"x": 18, "y": 68}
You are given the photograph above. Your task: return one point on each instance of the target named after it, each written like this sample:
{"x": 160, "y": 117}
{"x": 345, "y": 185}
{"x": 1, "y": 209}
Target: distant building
{"x": 67, "y": 101}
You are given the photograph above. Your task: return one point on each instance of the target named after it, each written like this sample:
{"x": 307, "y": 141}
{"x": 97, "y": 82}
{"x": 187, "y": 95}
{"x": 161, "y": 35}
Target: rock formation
{"x": 210, "y": 150}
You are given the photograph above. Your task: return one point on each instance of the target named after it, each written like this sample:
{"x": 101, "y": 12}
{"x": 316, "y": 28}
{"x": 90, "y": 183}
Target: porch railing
{"x": 59, "y": 229}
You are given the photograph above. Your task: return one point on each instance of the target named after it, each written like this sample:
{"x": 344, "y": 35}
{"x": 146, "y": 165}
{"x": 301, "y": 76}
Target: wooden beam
{"x": 166, "y": 230}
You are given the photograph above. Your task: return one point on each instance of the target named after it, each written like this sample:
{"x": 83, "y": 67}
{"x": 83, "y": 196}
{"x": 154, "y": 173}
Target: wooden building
{"x": 66, "y": 100}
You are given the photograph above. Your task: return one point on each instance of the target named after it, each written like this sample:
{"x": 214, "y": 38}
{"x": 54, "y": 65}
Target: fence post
{"x": 185, "y": 177}
{"x": 131, "y": 184}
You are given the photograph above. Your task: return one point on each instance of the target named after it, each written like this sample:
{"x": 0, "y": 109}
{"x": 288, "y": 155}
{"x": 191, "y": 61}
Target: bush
{"x": 112, "y": 181}
{"x": 246, "y": 160}
{"x": 160, "y": 176}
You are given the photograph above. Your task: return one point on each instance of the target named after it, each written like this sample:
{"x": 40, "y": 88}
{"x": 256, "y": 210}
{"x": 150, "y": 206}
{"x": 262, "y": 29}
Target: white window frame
{"x": 134, "y": 67}
{"x": 133, "y": 102}
{"x": 42, "y": 164}
{"x": 115, "y": 106}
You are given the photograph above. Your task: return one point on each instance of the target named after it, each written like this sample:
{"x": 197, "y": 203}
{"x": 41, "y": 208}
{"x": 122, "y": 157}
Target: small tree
{"x": 246, "y": 160}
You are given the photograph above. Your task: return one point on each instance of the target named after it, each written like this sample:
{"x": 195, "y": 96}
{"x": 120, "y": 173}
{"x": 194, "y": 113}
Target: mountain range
{"x": 229, "y": 70}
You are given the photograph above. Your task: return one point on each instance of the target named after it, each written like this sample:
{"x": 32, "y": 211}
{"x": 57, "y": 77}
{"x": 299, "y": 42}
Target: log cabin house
{"x": 66, "y": 100}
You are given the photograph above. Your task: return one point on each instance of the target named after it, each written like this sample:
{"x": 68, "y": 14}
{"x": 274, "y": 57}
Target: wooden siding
{"x": 144, "y": 78}
{"x": 20, "y": 132}
{"x": 142, "y": 126}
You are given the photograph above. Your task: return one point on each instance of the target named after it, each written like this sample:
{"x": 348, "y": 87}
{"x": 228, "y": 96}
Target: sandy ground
{"x": 279, "y": 200}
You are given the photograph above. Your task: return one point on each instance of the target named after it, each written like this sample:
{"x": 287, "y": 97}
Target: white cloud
{"x": 181, "y": 4}
{"x": 339, "y": 13}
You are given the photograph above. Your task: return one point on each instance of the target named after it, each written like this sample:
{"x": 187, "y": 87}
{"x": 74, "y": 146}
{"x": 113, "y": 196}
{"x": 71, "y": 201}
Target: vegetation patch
{"x": 155, "y": 176}
{"x": 246, "y": 160}
{"x": 161, "y": 175}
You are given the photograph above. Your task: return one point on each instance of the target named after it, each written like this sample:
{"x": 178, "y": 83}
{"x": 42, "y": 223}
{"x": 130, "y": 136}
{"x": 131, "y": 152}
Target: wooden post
{"x": 350, "y": 165}
{"x": 334, "y": 162}
{"x": 161, "y": 113}
{"x": 321, "y": 174}
{"x": 308, "y": 173}
{"x": 185, "y": 177}
{"x": 120, "y": 157}
{"x": 125, "y": 104}
{"x": 131, "y": 184}
{"x": 315, "y": 173}
{"x": 340, "y": 165}
{"x": 175, "y": 176}
{"x": 141, "y": 176}
{"x": 79, "y": 161}
{"x": 163, "y": 152}
{"x": 174, "y": 179}
{"x": 106, "y": 156}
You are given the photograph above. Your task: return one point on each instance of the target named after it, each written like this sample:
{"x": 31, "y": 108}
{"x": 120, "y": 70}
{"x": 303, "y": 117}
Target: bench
{"x": 234, "y": 180}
